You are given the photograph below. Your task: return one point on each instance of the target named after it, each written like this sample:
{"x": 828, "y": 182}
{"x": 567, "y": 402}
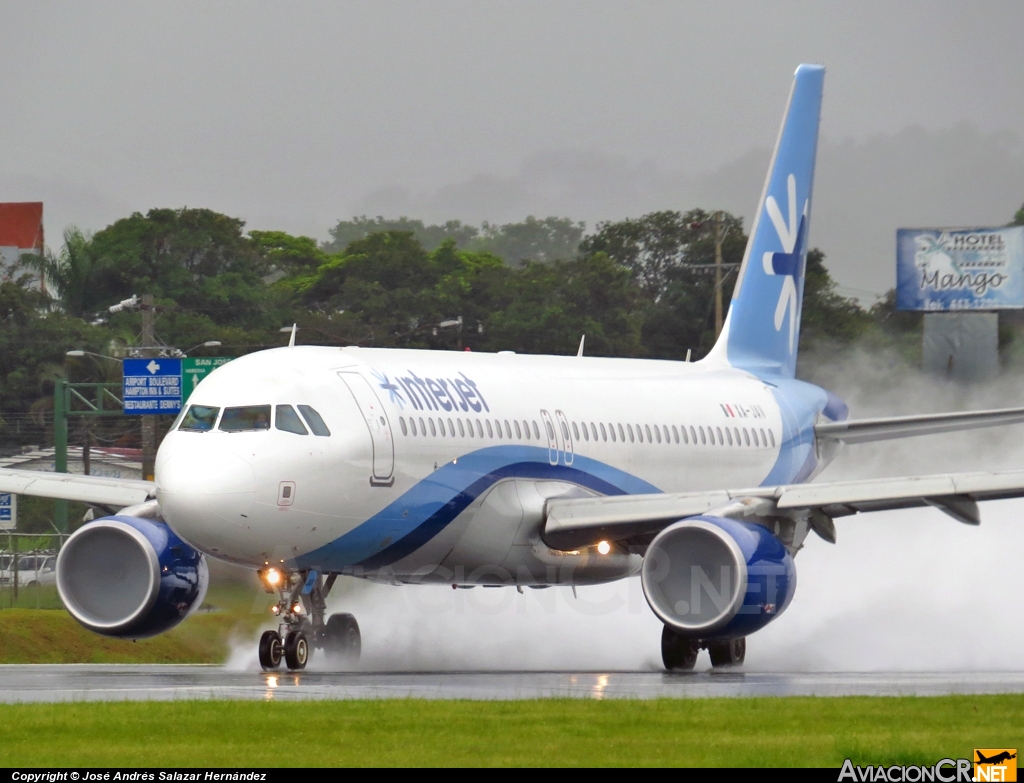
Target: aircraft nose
{"x": 200, "y": 487}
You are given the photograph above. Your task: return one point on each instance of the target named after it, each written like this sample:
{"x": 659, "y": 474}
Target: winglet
{"x": 763, "y": 325}
{"x": 583, "y": 339}
{"x": 291, "y": 340}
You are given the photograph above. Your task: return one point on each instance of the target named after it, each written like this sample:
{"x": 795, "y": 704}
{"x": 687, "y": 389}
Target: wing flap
{"x": 72, "y": 486}
{"x": 579, "y": 522}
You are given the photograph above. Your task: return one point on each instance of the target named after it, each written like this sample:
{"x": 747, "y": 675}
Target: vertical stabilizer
{"x": 763, "y": 325}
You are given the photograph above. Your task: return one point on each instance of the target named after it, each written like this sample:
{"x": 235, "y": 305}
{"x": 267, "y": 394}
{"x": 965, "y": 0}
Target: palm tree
{"x": 68, "y": 273}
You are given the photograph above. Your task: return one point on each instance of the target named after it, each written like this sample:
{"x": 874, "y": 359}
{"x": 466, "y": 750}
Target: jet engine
{"x": 130, "y": 577}
{"x": 714, "y": 578}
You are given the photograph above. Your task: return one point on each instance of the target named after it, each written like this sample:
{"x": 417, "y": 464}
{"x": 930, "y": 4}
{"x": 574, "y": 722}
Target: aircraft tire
{"x": 270, "y": 650}
{"x": 678, "y": 652}
{"x": 296, "y": 651}
{"x": 729, "y": 653}
{"x": 342, "y": 640}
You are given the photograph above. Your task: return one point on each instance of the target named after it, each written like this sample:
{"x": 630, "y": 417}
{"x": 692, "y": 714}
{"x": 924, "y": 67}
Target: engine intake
{"x": 129, "y": 577}
{"x": 709, "y": 577}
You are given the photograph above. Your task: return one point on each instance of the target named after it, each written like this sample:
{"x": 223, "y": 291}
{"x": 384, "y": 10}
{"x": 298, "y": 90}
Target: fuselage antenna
{"x": 291, "y": 340}
{"x": 583, "y": 339}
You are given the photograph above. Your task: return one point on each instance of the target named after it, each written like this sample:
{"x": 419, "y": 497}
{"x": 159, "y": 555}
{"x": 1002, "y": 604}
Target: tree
{"x": 1018, "y": 218}
{"x": 69, "y": 273}
{"x": 532, "y": 240}
{"x": 345, "y": 232}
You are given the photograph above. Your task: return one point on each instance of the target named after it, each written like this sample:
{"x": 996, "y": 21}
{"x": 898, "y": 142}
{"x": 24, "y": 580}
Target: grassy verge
{"x": 30, "y": 635}
{"x": 561, "y": 732}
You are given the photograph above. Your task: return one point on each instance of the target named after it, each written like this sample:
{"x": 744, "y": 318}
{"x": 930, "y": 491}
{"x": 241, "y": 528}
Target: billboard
{"x": 21, "y": 231}
{"x": 942, "y": 269}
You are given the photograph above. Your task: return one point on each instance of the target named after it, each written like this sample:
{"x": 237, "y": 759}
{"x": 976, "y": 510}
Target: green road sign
{"x": 193, "y": 370}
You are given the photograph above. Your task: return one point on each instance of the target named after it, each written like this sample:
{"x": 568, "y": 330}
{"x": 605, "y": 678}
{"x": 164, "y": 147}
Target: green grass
{"x": 29, "y": 635}
{"x": 794, "y": 731}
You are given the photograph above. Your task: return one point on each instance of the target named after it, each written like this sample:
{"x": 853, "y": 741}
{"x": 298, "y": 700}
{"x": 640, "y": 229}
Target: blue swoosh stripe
{"x": 428, "y": 507}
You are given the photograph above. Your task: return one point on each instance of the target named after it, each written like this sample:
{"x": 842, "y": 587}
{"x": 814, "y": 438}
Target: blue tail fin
{"x": 763, "y": 325}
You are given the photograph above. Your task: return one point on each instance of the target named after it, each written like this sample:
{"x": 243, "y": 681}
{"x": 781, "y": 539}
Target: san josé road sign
{"x": 152, "y": 386}
{"x": 193, "y": 370}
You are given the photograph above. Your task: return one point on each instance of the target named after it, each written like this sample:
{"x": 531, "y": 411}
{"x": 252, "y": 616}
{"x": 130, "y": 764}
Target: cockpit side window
{"x": 288, "y": 420}
{"x": 199, "y": 418}
{"x": 316, "y": 424}
{"x": 250, "y": 417}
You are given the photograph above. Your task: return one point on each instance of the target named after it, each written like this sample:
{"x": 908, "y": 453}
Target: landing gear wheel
{"x": 678, "y": 652}
{"x": 342, "y": 641}
{"x": 730, "y": 653}
{"x": 296, "y": 650}
{"x": 270, "y": 650}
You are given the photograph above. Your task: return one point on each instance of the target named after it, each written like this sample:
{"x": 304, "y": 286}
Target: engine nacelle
{"x": 715, "y": 578}
{"x": 130, "y": 577}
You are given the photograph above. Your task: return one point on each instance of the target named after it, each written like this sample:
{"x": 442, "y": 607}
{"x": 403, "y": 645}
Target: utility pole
{"x": 148, "y": 422}
{"x": 719, "y": 235}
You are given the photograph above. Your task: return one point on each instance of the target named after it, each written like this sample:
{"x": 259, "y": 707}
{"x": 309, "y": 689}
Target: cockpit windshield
{"x": 249, "y": 417}
{"x": 199, "y": 418}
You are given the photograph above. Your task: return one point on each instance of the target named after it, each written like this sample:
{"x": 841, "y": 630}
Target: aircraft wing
{"x": 865, "y": 430}
{"x": 580, "y": 522}
{"x": 72, "y": 486}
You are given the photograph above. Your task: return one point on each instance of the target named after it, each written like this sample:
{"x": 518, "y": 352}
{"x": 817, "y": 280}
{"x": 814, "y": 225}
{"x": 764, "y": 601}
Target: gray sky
{"x": 293, "y": 115}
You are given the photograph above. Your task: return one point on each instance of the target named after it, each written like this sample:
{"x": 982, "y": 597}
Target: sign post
{"x": 8, "y": 511}
{"x": 152, "y": 386}
{"x": 960, "y": 278}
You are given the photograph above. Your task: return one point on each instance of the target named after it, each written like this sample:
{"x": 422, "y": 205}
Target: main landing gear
{"x": 301, "y": 609}
{"x": 679, "y": 652}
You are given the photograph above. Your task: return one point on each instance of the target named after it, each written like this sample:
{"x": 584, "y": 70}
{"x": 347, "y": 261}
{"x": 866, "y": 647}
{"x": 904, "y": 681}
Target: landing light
{"x": 297, "y": 608}
{"x": 275, "y": 609}
{"x": 604, "y": 547}
{"x": 273, "y": 576}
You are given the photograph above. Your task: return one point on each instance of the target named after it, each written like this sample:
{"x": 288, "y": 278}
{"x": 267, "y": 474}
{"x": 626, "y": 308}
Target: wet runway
{"x": 88, "y": 682}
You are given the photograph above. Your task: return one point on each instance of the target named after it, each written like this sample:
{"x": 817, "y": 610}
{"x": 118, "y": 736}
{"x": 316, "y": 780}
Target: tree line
{"x": 641, "y": 287}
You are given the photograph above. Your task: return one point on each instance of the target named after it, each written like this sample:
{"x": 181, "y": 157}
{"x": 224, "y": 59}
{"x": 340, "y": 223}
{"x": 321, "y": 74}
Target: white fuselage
{"x": 438, "y": 464}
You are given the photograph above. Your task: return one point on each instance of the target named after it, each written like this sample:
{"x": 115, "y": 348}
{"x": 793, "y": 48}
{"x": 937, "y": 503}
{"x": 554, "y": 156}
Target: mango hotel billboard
{"x": 950, "y": 269}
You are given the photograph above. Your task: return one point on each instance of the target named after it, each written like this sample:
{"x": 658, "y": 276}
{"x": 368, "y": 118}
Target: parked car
{"x": 40, "y": 569}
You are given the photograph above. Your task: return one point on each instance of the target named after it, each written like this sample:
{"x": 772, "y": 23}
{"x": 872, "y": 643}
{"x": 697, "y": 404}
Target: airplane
{"x": 996, "y": 759}
{"x": 304, "y": 463}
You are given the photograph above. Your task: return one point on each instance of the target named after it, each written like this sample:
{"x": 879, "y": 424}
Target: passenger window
{"x": 479, "y": 428}
{"x": 250, "y": 417}
{"x": 736, "y": 432}
{"x": 664, "y": 428}
{"x": 423, "y": 427}
{"x": 728, "y": 435}
{"x": 640, "y": 433}
{"x": 576, "y": 431}
{"x": 657, "y": 433}
{"x": 703, "y": 440}
{"x": 490, "y": 429}
{"x": 622, "y": 434}
{"x": 675, "y": 433}
{"x": 753, "y": 434}
{"x": 550, "y": 429}
{"x": 412, "y": 424}
{"x": 593, "y": 429}
{"x": 565, "y": 431}
{"x": 519, "y": 433}
{"x": 451, "y": 427}
{"x": 433, "y": 429}
{"x": 721, "y": 441}
{"x": 632, "y": 438}
{"x": 586, "y": 432}
{"x": 199, "y": 418}
{"x": 746, "y": 437}
{"x": 288, "y": 420}
{"x": 604, "y": 433}
{"x": 316, "y": 424}
{"x": 462, "y": 430}
{"x": 536, "y": 431}
{"x": 771, "y": 437}
{"x": 401, "y": 421}
{"x": 440, "y": 427}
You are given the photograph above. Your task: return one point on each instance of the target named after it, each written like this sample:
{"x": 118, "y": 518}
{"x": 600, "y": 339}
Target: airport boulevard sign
{"x": 8, "y": 511}
{"x": 152, "y": 386}
{"x": 162, "y": 385}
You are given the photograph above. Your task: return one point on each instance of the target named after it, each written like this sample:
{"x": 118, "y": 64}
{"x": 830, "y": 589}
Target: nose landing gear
{"x": 301, "y": 608}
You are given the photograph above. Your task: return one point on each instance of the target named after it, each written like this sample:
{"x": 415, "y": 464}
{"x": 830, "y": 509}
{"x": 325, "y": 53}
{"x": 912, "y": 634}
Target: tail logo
{"x": 787, "y": 263}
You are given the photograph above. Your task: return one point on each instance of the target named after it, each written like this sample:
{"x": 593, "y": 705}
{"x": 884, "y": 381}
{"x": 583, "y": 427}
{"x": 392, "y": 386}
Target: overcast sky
{"x": 293, "y": 115}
